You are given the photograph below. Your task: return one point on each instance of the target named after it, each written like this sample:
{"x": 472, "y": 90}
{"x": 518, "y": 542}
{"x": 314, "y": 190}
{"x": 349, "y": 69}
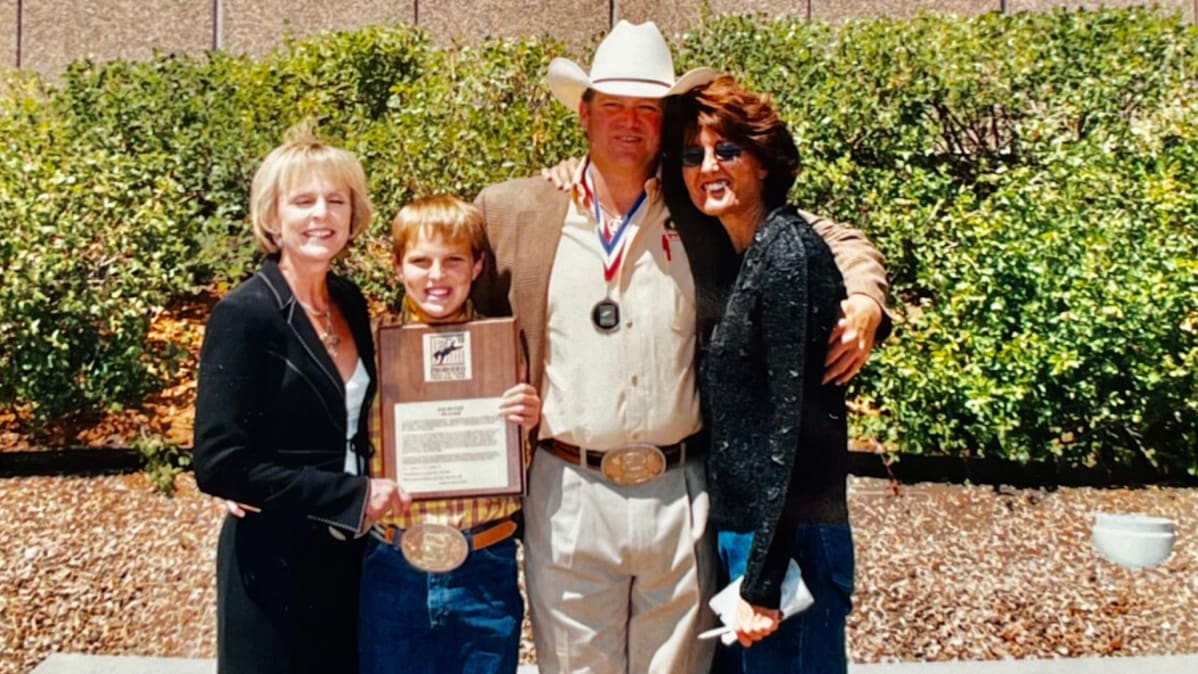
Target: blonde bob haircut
{"x": 299, "y": 157}
{"x": 440, "y": 216}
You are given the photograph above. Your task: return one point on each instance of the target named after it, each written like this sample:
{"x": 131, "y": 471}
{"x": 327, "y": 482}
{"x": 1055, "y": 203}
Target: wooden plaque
{"x": 440, "y": 385}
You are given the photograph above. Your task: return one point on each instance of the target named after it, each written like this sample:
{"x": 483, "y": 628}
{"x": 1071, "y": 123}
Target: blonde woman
{"x": 286, "y": 378}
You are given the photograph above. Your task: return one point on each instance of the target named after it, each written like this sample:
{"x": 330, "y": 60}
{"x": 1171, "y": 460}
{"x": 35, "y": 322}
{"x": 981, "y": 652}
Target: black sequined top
{"x": 779, "y": 452}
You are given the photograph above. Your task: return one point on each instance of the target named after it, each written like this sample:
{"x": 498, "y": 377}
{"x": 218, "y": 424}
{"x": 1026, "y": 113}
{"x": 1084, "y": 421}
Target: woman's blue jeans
{"x": 467, "y": 620}
{"x": 811, "y": 642}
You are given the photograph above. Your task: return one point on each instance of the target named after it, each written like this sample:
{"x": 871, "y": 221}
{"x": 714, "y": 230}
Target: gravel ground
{"x": 107, "y": 565}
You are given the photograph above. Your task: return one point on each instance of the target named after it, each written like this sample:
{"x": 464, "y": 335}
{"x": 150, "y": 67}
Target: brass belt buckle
{"x": 435, "y": 548}
{"x": 634, "y": 464}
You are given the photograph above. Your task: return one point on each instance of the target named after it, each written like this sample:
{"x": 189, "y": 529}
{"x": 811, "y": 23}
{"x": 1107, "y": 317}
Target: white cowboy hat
{"x": 633, "y": 60}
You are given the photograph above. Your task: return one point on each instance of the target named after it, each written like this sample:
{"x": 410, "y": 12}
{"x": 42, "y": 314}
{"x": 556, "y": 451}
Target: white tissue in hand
{"x": 796, "y": 598}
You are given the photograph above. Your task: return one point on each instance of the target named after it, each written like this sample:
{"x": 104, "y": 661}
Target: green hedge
{"x": 1031, "y": 179}
{"x": 125, "y": 185}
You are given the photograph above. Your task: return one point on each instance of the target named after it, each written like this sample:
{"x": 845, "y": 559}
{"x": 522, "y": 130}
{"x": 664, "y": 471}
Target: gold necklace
{"x": 330, "y": 339}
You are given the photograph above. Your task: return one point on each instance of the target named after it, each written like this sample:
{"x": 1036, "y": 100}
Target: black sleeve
{"x": 783, "y": 316}
{"x": 237, "y": 377}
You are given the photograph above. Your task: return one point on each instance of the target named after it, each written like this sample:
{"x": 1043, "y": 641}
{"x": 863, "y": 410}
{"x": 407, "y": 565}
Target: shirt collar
{"x": 580, "y": 187}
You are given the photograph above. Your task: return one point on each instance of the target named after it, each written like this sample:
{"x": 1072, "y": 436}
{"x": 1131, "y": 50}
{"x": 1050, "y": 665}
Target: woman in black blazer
{"x": 286, "y": 379}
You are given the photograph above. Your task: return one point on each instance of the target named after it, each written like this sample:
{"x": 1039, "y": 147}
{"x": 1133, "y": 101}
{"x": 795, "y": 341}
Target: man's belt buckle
{"x": 634, "y": 464}
{"x": 435, "y": 548}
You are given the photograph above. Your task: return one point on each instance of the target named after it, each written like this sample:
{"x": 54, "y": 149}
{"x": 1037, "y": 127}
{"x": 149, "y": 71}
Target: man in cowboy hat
{"x": 618, "y": 560}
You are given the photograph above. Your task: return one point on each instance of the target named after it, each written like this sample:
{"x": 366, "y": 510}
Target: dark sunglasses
{"x": 693, "y": 155}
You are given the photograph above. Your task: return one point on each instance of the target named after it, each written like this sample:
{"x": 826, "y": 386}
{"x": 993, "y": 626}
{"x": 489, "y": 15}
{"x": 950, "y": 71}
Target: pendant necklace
{"x": 606, "y": 312}
{"x": 330, "y": 339}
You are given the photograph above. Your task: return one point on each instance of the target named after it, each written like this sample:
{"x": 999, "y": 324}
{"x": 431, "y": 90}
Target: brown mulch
{"x": 107, "y": 565}
{"x": 951, "y": 572}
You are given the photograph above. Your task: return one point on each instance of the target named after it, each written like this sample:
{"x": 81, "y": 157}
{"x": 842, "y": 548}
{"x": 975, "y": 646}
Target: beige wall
{"x": 256, "y": 26}
{"x": 53, "y": 32}
{"x": 8, "y": 33}
{"x": 677, "y": 15}
{"x": 578, "y": 22}
{"x": 670, "y": 17}
{"x": 841, "y": 10}
{"x": 1186, "y": 7}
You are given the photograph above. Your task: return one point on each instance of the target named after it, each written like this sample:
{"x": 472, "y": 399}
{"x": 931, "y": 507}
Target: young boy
{"x": 467, "y": 619}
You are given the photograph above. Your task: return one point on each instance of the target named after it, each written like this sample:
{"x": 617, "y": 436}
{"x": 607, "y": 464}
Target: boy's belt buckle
{"x": 435, "y": 548}
{"x": 633, "y": 464}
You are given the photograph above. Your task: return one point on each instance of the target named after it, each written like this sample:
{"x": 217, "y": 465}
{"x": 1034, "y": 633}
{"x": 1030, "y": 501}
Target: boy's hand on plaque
{"x": 521, "y": 405}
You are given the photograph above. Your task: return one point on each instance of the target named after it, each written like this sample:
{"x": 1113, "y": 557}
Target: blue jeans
{"x": 811, "y": 642}
{"x": 467, "y": 620}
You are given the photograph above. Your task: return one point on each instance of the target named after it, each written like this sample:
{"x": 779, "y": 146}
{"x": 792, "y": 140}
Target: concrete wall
{"x": 8, "y": 33}
{"x": 256, "y": 26}
{"x": 464, "y": 21}
{"x": 841, "y": 10}
{"x": 1186, "y": 7}
{"x": 45, "y": 35}
{"x": 55, "y": 32}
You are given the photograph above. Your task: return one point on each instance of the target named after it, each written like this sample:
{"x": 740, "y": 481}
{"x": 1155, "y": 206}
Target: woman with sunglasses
{"x": 777, "y": 467}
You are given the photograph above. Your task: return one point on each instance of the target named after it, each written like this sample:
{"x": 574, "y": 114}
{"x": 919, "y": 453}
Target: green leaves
{"x": 1050, "y": 313}
{"x": 1032, "y": 180}
{"x": 127, "y": 185}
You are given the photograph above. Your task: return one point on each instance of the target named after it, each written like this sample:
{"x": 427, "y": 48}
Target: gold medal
{"x": 435, "y": 548}
{"x": 633, "y": 464}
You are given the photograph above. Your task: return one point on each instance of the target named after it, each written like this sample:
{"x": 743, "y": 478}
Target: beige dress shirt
{"x": 635, "y": 383}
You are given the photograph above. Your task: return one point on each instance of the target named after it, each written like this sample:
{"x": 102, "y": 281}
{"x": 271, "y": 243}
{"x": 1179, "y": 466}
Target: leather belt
{"x": 478, "y": 536}
{"x": 627, "y": 465}
{"x": 594, "y": 457}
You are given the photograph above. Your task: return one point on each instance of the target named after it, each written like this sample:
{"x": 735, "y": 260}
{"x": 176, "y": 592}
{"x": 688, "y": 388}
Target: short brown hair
{"x": 747, "y": 118}
{"x": 439, "y": 216}
{"x": 302, "y": 155}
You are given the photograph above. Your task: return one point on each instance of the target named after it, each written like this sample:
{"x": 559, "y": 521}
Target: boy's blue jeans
{"x": 467, "y": 620}
{"x": 811, "y": 642}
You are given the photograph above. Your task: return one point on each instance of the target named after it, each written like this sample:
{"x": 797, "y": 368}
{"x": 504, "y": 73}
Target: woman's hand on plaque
{"x": 385, "y": 499}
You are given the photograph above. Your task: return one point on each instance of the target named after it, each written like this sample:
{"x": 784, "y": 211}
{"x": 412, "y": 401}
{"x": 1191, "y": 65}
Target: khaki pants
{"x": 618, "y": 577}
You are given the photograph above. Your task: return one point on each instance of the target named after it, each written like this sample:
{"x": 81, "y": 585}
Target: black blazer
{"x": 270, "y": 423}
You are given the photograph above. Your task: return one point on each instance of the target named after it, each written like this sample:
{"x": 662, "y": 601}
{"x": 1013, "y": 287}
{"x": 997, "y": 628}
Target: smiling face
{"x": 314, "y": 216}
{"x": 624, "y": 132}
{"x": 723, "y": 179}
{"x": 437, "y": 274}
